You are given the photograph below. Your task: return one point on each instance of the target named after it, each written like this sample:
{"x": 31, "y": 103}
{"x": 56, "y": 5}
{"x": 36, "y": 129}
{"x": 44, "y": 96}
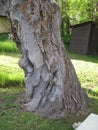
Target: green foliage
{"x": 82, "y": 11}
{"x": 3, "y": 37}
{"x": 76, "y": 12}
{"x": 66, "y": 39}
{"x": 7, "y": 45}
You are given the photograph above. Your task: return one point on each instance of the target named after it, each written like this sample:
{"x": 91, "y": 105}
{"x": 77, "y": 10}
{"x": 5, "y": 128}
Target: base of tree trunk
{"x": 52, "y": 87}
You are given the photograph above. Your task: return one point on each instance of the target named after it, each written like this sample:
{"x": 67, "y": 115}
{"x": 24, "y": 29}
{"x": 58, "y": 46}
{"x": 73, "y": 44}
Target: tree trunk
{"x": 52, "y": 87}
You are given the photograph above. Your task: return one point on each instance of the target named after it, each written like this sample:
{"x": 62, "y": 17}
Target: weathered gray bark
{"x": 2, "y": 13}
{"x": 52, "y": 87}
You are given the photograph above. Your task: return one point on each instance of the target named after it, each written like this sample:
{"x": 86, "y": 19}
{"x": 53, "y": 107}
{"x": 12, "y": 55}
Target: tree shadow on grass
{"x": 82, "y": 57}
{"x": 93, "y": 100}
{"x": 3, "y": 37}
{"x": 92, "y": 108}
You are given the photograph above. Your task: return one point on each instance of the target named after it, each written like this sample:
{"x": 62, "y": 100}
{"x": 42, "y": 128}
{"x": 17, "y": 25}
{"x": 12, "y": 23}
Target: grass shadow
{"x": 92, "y": 108}
{"x": 83, "y": 57}
{"x": 3, "y": 37}
{"x": 16, "y": 118}
{"x": 93, "y": 99}
{"x": 87, "y": 58}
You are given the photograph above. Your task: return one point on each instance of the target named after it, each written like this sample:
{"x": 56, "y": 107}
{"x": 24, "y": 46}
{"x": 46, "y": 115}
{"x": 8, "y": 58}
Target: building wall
{"x": 5, "y": 26}
{"x": 93, "y": 46}
{"x": 80, "y": 39}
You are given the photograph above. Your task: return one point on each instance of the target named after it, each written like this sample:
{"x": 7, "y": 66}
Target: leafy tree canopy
{"x": 77, "y": 11}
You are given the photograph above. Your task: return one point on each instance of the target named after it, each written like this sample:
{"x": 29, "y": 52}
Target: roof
{"x": 83, "y": 24}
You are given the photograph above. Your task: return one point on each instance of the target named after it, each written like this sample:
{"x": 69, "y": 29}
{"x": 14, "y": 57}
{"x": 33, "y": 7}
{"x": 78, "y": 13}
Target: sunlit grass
{"x": 7, "y": 45}
{"x": 87, "y": 73}
{"x": 10, "y": 72}
{"x": 86, "y": 67}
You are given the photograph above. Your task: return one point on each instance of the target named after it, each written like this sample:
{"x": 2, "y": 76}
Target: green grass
{"x": 87, "y": 72}
{"x": 12, "y": 117}
{"x": 10, "y": 73}
{"x": 7, "y": 45}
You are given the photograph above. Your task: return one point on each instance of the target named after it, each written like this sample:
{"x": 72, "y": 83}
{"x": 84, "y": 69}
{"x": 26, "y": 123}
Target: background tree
{"x": 65, "y": 24}
{"x": 52, "y": 87}
{"x": 96, "y": 14}
{"x": 76, "y": 12}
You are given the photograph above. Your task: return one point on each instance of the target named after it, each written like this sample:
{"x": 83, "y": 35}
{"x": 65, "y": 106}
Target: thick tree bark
{"x": 52, "y": 87}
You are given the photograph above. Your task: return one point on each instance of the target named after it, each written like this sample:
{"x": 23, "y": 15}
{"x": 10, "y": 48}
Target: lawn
{"x": 12, "y": 90}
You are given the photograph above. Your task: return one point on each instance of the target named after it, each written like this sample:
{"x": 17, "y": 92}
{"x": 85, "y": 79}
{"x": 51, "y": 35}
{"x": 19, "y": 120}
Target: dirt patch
{"x": 78, "y": 117}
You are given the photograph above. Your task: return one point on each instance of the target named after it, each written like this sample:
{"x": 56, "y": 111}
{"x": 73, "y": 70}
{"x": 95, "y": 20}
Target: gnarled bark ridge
{"x": 52, "y": 87}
